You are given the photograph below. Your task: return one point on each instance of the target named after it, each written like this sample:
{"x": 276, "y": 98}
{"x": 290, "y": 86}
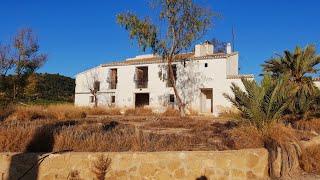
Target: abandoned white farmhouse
{"x": 202, "y": 78}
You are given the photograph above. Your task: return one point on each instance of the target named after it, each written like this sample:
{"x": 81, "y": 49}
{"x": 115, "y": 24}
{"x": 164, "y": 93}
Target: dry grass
{"x": 308, "y": 125}
{"x": 58, "y": 112}
{"x": 310, "y": 161}
{"x": 283, "y": 140}
{"x": 138, "y": 112}
{"x": 244, "y": 137}
{"x": 170, "y": 112}
{"x": 103, "y": 111}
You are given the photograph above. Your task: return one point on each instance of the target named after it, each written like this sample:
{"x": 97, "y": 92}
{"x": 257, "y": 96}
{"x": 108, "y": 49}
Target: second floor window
{"x": 169, "y": 81}
{"x": 113, "y": 78}
{"x": 96, "y": 85}
{"x": 141, "y": 77}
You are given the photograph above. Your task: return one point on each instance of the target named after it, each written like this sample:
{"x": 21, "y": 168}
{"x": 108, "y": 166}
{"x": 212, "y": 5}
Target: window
{"x": 91, "y": 99}
{"x": 205, "y": 64}
{"x": 171, "y": 98}
{"x": 96, "y": 85}
{"x": 169, "y": 81}
{"x": 141, "y": 77}
{"x": 113, "y": 78}
{"x": 113, "y": 99}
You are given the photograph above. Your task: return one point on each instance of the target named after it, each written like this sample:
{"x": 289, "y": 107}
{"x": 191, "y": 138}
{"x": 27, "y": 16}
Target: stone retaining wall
{"x": 240, "y": 164}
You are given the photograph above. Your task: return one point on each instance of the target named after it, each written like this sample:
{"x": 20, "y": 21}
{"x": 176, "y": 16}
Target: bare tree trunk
{"x": 95, "y": 100}
{"x": 180, "y": 104}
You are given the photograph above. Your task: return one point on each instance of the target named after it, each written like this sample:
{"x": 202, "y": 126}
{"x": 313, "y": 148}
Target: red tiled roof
{"x": 239, "y": 76}
{"x": 188, "y": 56}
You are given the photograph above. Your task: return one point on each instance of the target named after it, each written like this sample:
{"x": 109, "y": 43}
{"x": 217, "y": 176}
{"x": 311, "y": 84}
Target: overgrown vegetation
{"x": 286, "y": 95}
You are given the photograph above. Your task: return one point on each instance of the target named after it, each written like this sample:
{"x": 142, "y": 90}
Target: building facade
{"x": 202, "y": 77}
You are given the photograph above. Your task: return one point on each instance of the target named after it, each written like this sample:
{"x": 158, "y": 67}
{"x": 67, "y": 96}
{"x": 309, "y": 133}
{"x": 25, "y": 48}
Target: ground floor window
{"x": 171, "y": 98}
{"x": 91, "y": 99}
{"x": 113, "y": 99}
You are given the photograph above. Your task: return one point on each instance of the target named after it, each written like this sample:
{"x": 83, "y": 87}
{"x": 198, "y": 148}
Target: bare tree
{"x": 181, "y": 23}
{"x": 93, "y": 84}
{"x": 6, "y": 61}
{"x": 26, "y": 59}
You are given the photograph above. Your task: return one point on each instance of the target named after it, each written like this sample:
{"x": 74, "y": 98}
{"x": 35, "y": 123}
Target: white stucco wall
{"x": 191, "y": 79}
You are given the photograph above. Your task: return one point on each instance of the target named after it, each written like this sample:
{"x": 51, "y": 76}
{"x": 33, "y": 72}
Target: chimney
{"x": 229, "y": 49}
{"x": 204, "y": 49}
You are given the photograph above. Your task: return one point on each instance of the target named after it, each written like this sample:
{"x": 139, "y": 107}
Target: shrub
{"x": 170, "y": 112}
{"x": 28, "y": 113}
{"x": 101, "y": 167}
{"x": 103, "y": 111}
{"x": 309, "y": 125}
{"x": 244, "y": 137}
{"x": 141, "y": 111}
{"x": 310, "y": 161}
{"x": 65, "y": 111}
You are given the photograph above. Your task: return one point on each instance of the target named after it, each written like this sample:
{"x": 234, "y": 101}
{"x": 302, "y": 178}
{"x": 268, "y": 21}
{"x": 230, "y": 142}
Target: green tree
{"x": 181, "y": 23}
{"x": 297, "y": 66}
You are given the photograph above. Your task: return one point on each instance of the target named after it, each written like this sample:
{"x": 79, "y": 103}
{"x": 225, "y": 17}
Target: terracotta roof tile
{"x": 188, "y": 56}
{"x": 239, "y": 76}
{"x": 316, "y": 79}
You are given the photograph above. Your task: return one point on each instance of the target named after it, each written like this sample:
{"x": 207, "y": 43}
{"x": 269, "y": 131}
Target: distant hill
{"x": 50, "y": 87}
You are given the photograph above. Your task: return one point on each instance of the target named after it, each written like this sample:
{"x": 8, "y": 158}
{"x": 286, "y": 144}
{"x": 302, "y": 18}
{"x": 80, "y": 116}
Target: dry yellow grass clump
{"x": 103, "y": 111}
{"x": 58, "y": 112}
{"x": 244, "y": 137}
{"x": 309, "y": 125}
{"x": 310, "y": 161}
{"x": 138, "y": 111}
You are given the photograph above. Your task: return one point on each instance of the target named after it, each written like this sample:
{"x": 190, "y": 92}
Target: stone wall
{"x": 240, "y": 164}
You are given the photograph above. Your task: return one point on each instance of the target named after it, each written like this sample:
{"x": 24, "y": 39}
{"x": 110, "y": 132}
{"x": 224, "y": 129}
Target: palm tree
{"x": 261, "y": 104}
{"x": 297, "y": 65}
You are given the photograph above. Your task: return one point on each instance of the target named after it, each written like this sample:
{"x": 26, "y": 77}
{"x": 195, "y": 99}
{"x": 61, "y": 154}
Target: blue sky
{"x": 79, "y": 35}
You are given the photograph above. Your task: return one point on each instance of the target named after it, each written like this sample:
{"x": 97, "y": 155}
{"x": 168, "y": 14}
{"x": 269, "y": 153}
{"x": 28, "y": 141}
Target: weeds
{"x": 310, "y": 161}
{"x": 101, "y": 166}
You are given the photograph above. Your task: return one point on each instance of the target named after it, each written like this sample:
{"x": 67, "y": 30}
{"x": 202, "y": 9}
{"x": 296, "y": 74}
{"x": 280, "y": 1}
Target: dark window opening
{"x": 91, "y": 99}
{"x": 113, "y": 79}
{"x": 171, "y": 98}
{"x": 169, "y": 81}
{"x": 113, "y": 99}
{"x": 142, "y": 99}
{"x": 96, "y": 85}
{"x": 205, "y": 64}
{"x": 141, "y": 77}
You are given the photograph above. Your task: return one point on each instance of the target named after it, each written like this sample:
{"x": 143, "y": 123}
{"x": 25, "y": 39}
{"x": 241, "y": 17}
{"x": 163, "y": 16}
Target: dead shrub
{"x": 169, "y": 112}
{"x": 308, "y": 125}
{"x": 94, "y": 138}
{"x": 141, "y": 111}
{"x": 103, "y": 111}
{"x": 283, "y": 140}
{"x": 101, "y": 166}
{"x": 28, "y": 113}
{"x": 243, "y": 137}
{"x": 310, "y": 160}
{"x": 65, "y": 111}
